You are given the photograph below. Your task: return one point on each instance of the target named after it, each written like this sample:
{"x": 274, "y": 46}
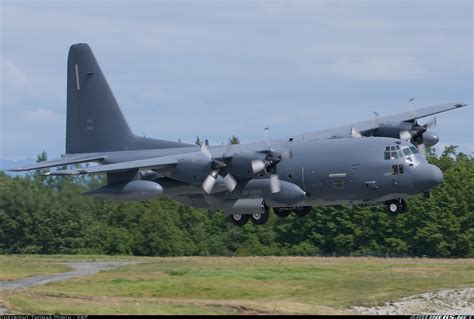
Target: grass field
{"x": 222, "y": 285}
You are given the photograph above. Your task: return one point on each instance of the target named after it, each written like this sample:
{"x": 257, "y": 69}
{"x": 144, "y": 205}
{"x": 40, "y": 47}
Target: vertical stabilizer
{"x": 95, "y": 122}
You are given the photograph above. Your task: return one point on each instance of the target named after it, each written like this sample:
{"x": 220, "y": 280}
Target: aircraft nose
{"x": 429, "y": 176}
{"x": 437, "y": 175}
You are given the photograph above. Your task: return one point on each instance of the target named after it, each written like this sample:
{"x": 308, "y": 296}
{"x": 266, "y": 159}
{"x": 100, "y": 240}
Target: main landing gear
{"x": 256, "y": 218}
{"x": 396, "y": 206}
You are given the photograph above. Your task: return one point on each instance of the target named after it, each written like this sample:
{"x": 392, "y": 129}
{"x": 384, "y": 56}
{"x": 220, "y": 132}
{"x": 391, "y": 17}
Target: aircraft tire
{"x": 239, "y": 219}
{"x": 394, "y": 207}
{"x": 282, "y": 213}
{"x": 260, "y": 218}
{"x": 302, "y": 211}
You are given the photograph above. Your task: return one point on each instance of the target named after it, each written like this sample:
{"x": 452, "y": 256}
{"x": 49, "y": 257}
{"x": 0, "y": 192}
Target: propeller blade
{"x": 230, "y": 182}
{"x": 209, "y": 182}
{"x": 405, "y": 135}
{"x": 431, "y": 123}
{"x": 205, "y": 151}
{"x": 226, "y": 149}
{"x": 422, "y": 148}
{"x": 274, "y": 183}
{"x": 266, "y": 131}
{"x": 355, "y": 133}
{"x": 258, "y": 166}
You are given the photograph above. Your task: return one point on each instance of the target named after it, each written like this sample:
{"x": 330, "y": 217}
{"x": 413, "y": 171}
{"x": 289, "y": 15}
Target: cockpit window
{"x": 406, "y": 151}
{"x": 391, "y": 152}
{"x": 396, "y": 152}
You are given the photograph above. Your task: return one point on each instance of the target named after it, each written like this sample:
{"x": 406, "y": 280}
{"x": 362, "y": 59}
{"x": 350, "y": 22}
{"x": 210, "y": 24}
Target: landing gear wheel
{"x": 260, "y": 218}
{"x": 281, "y": 212}
{"x": 239, "y": 219}
{"x": 302, "y": 211}
{"x": 395, "y": 206}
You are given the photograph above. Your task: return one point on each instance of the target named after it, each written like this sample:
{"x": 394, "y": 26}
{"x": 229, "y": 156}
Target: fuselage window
{"x": 394, "y": 169}
{"x": 414, "y": 150}
{"x": 401, "y": 169}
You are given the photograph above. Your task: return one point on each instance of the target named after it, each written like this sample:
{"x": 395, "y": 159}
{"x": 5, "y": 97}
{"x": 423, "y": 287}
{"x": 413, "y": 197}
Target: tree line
{"x": 48, "y": 215}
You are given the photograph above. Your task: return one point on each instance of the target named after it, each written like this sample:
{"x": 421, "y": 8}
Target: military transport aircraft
{"x": 379, "y": 161}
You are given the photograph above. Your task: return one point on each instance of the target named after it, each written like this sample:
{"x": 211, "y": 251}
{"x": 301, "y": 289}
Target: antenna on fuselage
{"x": 376, "y": 119}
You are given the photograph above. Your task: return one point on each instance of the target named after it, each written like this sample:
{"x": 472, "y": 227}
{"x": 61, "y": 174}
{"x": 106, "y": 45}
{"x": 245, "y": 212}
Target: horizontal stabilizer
{"x": 67, "y": 160}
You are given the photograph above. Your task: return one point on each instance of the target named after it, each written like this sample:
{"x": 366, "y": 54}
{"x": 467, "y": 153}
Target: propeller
{"x": 355, "y": 133}
{"x": 415, "y": 134}
{"x": 218, "y": 167}
{"x": 272, "y": 158}
{"x": 375, "y": 121}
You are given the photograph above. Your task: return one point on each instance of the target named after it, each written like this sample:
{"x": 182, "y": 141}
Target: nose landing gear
{"x": 396, "y": 206}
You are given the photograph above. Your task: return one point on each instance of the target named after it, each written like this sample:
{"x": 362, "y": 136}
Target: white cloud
{"x": 41, "y": 115}
{"x": 13, "y": 76}
{"x": 381, "y": 68}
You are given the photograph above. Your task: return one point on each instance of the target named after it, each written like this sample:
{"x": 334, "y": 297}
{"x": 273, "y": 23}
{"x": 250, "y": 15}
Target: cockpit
{"x": 402, "y": 152}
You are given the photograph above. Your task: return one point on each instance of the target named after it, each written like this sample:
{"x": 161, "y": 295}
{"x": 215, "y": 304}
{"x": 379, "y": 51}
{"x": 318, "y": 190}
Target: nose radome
{"x": 427, "y": 177}
{"x": 437, "y": 175}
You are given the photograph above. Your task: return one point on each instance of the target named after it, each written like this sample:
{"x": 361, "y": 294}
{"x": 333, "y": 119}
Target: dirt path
{"x": 443, "y": 302}
{"x": 80, "y": 269}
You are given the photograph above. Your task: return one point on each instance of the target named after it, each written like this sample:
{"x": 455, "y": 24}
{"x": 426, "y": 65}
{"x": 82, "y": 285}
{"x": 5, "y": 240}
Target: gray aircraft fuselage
{"x": 331, "y": 172}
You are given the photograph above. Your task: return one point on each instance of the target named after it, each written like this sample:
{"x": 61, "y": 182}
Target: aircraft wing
{"x": 367, "y": 127}
{"x": 67, "y": 160}
{"x": 149, "y": 163}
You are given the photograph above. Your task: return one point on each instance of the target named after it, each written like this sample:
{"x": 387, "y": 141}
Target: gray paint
{"x": 344, "y": 165}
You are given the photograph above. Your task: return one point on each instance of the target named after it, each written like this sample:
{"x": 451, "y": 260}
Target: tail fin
{"x": 95, "y": 122}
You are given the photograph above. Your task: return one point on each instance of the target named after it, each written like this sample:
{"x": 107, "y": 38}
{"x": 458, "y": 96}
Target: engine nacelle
{"x": 419, "y": 133}
{"x": 127, "y": 191}
{"x": 191, "y": 170}
{"x": 392, "y": 130}
{"x": 430, "y": 138}
{"x": 241, "y": 164}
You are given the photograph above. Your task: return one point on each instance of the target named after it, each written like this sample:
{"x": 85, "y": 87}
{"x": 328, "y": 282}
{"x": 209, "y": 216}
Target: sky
{"x": 181, "y": 69}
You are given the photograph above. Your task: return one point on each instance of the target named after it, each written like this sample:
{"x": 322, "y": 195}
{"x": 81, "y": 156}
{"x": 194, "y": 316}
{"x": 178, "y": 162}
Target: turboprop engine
{"x": 410, "y": 131}
{"x": 127, "y": 191}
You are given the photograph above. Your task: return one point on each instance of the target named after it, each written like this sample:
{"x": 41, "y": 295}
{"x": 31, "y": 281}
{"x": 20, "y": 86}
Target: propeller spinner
{"x": 270, "y": 162}
{"x": 415, "y": 134}
{"x": 218, "y": 167}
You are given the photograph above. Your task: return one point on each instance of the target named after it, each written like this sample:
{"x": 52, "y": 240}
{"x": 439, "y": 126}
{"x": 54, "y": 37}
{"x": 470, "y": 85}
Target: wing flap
{"x": 67, "y": 160}
{"x": 149, "y": 163}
